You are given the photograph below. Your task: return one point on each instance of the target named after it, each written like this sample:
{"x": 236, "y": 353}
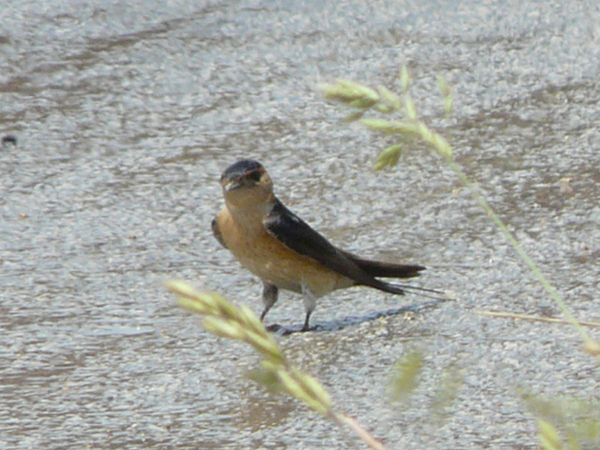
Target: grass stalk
{"x": 409, "y": 127}
{"x": 275, "y": 373}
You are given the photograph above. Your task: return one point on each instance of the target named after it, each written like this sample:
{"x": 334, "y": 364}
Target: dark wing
{"x": 217, "y": 232}
{"x": 292, "y": 231}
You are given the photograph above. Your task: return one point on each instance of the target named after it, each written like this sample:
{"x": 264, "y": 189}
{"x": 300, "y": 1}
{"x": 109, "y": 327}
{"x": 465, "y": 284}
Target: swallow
{"x": 283, "y": 251}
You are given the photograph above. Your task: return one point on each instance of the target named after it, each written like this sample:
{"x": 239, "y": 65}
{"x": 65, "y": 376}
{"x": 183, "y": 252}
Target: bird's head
{"x": 246, "y": 183}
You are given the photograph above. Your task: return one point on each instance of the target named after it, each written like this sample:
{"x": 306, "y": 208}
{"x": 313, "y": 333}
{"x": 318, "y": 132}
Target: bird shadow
{"x": 350, "y": 321}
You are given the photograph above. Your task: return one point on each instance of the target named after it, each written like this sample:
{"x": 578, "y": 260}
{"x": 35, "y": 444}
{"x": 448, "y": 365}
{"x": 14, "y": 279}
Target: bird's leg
{"x": 310, "y": 303}
{"x": 269, "y": 298}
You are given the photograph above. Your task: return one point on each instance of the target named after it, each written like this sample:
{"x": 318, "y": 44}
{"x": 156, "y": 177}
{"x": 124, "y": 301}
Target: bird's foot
{"x": 288, "y": 331}
{"x": 283, "y": 331}
{"x": 274, "y": 328}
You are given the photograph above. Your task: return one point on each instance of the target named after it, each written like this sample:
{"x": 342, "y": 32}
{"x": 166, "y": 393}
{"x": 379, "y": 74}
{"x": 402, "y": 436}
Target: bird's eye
{"x": 254, "y": 175}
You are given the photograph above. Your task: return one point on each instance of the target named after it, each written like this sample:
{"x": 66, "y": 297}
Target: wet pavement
{"x": 126, "y": 113}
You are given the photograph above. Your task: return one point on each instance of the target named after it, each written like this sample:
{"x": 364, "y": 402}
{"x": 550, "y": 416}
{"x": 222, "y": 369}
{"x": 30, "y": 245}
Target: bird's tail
{"x": 401, "y": 289}
{"x": 378, "y": 269}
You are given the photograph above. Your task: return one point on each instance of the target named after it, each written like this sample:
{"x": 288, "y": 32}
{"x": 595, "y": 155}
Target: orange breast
{"x": 274, "y": 262}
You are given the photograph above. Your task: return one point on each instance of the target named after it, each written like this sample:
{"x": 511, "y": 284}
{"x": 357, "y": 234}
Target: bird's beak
{"x": 233, "y": 183}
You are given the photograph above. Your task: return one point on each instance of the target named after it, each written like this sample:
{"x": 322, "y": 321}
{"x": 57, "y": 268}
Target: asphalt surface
{"x": 125, "y": 114}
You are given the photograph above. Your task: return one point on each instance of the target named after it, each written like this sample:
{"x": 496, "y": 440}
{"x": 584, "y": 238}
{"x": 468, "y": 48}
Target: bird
{"x": 284, "y": 251}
